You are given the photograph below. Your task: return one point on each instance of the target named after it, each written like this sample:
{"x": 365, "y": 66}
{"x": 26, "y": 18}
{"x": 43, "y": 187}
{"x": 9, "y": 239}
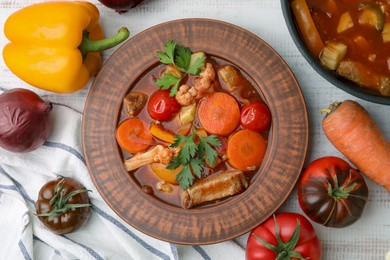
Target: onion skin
{"x": 121, "y": 6}
{"x": 24, "y": 121}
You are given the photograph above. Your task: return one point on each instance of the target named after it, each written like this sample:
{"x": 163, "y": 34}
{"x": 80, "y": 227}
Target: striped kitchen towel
{"x": 104, "y": 236}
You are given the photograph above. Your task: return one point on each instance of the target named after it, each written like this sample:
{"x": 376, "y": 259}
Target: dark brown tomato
{"x": 332, "y": 193}
{"x": 63, "y": 205}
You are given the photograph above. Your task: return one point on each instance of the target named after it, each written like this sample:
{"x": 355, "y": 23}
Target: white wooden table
{"x": 369, "y": 238}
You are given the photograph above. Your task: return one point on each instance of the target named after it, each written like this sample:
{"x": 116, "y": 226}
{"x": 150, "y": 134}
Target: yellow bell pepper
{"x": 56, "y": 45}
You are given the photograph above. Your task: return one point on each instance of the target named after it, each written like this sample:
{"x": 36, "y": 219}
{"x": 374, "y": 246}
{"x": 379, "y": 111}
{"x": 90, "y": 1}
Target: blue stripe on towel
{"x": 8, "y": 187}
{"x": 66, "y": 148}
{"x": 127, "y": 231}
{"x": 24, "y": 250}
{"x": 90, "y": 250}
{"x": 40, "y": 240}
{"x": 19, "y": 186}
{"x": 174, "y": 251}
{"x": 25, "y": 195}
{"x": 202, "y": 252}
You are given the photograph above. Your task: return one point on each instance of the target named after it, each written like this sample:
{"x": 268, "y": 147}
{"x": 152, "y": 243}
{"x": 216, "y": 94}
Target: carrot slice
{"x": 246, "y": 150}
{"x": 219, "y": 113}
{"x": 133, "y": 137}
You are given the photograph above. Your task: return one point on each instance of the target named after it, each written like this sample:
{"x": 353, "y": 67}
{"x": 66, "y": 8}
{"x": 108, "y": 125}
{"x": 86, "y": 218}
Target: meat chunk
{"x": 223, "y": 185}
{"x": 364, "y": 76}
{"x": 135, "y": 102}
{"x": 234, "y": 81}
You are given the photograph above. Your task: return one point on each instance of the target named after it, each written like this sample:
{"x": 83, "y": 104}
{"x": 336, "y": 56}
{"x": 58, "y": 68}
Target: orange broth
{"x": 365, "y": 42}
{"x": 144, "y": 176}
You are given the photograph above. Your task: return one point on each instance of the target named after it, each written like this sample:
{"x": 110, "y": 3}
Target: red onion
{"x": 24, "y": 121}
{"x": 121, "y": 6}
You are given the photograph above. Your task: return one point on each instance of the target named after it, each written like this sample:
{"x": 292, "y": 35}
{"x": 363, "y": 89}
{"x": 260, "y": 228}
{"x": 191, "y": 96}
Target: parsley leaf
{"x": 169, "y": 56}
{"x": 167, "y": 80}
{"x": 195, "y": 68}
{"x": 180, "y": 57}
{"x": 183, "y": 57}
{"x": 185, "y": 177}
{"x": 191, "y": 156}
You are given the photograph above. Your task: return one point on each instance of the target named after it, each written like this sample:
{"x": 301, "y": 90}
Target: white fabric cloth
{"x": 104, "y": 236}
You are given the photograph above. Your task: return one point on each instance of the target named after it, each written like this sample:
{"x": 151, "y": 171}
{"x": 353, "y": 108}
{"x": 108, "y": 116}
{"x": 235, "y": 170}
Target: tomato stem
{"x": 59, "y": 201}
{"x": 284, "y": 250}
{"x": 341, "y": 192}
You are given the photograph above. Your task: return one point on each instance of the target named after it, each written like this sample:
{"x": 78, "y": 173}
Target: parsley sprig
{"x": 192, "y": 156}
{"x": 180, "y": 57}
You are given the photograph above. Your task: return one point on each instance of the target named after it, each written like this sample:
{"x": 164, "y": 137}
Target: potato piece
{"x": 384, "y": 87}
{"x": 386, "y": 33}
{"x": 195, "y": 56}
{"x": 172, "y": 70}
{"x": 187, "y": 114}
{"x": 345, "y": 22}
{"x": 332, "y": 54}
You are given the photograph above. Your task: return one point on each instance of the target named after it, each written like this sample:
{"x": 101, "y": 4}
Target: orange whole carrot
{"x": 355, "y": 134}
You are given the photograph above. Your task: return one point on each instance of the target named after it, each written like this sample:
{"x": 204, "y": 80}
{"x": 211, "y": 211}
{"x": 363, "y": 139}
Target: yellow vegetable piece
{"x": 345, "y": 22}
{"x": 386, "y": 33}
{"x": 165, "y": 174}
{"x": 161, "y": 133}
{"x": 56, "y": 45}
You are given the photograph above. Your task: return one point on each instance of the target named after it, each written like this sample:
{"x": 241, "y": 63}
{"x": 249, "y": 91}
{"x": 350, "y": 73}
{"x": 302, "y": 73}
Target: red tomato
{"x": 161, "y": 106}
{"x": 275, "y": 238}
{"x": 332, "y": 193}
{"x": 256, "y": 116}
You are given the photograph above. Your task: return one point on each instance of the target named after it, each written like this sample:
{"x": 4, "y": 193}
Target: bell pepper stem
{"x": 87, "y": 45}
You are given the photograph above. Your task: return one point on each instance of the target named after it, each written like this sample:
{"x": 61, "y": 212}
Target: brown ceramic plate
{"x": 282, "y": 163}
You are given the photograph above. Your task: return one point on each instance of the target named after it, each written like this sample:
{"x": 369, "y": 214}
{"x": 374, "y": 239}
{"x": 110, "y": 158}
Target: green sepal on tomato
{"x": 256, "y": 116}
{"x": 63, "y": 205}
{"x": 283, "y": 237}
{"x": 332, "y": 193}
{"x": 162, "y": 106}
